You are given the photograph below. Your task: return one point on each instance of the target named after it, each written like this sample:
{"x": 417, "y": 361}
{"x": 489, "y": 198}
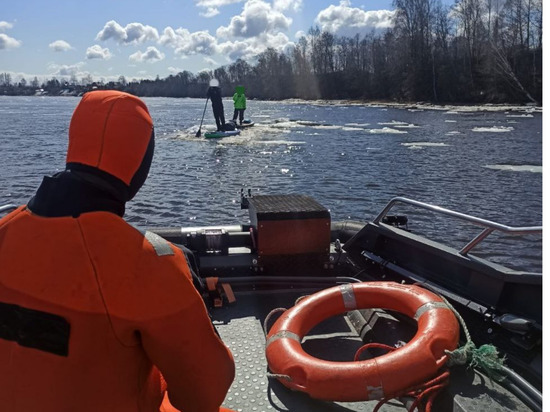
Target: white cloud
{"x": 212, "y": 6}
{"x": 151, "y": 55}
{"x": 133, "y": 33}
{"x": 346, "y": 20}
{"x": 186, "y": 43}
{"x": 68, "y": 70}
{"x": 248, "y": 49}
{"x": 98, "y": 52}
{"x": 174, "y": 70}
{"x": 256, "y": 18}
{"x": 237, "y": 50}
{"x": 60, "y": 46}
{"x": 211, "y": 61}
{"x": 283, "y": 5}
{"x": 4, "y": 25}
{"x": 7, "y": 42}
{"x": 210, "y": 12}
{"x": 138, "y": 33}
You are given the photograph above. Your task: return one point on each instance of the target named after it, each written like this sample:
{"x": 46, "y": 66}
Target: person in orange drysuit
{"x": 94, "y": 314}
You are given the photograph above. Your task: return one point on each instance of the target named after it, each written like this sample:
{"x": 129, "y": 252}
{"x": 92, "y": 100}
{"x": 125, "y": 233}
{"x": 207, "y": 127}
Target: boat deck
{"x": 240, "y": 325}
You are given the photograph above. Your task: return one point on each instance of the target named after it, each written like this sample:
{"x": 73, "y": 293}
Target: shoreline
{"x": 411, "y": 106}
{"x": 420, "y": 106}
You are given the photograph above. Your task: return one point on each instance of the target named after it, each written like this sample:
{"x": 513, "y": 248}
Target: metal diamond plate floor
{"x": 240, "y": 325}
{"x": 241, "y": 328}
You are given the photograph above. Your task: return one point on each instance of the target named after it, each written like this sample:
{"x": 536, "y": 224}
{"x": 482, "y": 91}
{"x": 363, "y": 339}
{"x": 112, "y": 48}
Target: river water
{"x": 351, "y": 158}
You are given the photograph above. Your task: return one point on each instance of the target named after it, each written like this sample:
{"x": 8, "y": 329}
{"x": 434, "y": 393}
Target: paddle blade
{"x": 198, "y": 134}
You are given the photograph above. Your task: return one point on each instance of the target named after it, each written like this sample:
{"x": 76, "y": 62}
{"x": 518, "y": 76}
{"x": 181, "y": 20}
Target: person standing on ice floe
{"x": 239, "y": 101}
{"x": 214, "y": 92}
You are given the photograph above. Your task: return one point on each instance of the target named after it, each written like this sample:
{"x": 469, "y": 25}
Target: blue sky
{"x": 143, "y": 39}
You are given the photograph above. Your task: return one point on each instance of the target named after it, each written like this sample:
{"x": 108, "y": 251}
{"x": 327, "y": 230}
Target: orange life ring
{"x": 417, "y": 361}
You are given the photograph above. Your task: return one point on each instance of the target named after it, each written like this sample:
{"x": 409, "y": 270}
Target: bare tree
{"x": 5, "y": 79}
{"x": 504, "y": 68}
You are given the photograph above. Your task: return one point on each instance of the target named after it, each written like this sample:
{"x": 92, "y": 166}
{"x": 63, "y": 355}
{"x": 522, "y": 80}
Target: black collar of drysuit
{"x": 71, "y": 193}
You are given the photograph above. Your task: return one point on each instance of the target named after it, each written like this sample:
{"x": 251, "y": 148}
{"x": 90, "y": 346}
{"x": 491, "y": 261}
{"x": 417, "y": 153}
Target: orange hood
{"x": 110, "y": 130}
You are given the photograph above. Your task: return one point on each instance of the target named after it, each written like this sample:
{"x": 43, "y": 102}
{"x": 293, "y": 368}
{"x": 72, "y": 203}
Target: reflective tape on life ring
{"x": 417, "y": 361}
{"x": 429, "y": 306}
{"x": 282, "y": 334}
{"x": 348, "y": 296}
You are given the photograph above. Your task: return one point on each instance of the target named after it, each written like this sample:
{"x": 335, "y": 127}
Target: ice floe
{"x": 493, "y": 129}
{"x": 420, "y": 145}
{"x": 357, "y": 124}
{"x": 291, "y": 123}
{"x": 516, "y": 168}
{"x": 394, "y": 123}
{"x": 287, "y": 142}
{"x": 308, "y": 123}
{"x": 326, "y": 126}
{"x": 407, "y": 126}
{"x": 385, "y": 130}
{"x": 451, "y": 109}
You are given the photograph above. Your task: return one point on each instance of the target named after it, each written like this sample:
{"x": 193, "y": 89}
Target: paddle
{"x": 204, "y": 111}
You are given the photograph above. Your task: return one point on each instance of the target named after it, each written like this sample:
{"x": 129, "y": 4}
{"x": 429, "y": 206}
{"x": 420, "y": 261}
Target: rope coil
{"x": 486, "y": 357}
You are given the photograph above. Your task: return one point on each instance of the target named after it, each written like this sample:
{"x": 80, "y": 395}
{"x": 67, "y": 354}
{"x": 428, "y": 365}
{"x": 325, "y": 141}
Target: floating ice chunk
{"x": 308, "y": 123}
{"x": 406, "y": 126}
{"x": 326, "y": 126}
{"x": 285, "y": 142}
{"x": 385, "y": 130}
{"x": 416, "y": 145}
{"x": 282, "y": 124}
{"x": 516, "y": 168}
{"x": 400, "y": 125}
{"x": 392, "y": 123}
{"x": 494, "y": 129}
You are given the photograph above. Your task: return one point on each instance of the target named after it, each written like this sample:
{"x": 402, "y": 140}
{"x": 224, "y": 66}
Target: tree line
{"x": 475, "y": 51}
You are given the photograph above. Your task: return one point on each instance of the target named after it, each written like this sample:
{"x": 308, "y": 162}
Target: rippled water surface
{"x": 353, "y": 159}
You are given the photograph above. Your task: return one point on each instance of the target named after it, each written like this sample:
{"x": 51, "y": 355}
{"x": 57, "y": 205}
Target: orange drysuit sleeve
{"x": 197, "y": 366}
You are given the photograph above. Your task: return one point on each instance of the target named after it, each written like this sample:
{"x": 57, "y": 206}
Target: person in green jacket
{"x": 239, "y": 99}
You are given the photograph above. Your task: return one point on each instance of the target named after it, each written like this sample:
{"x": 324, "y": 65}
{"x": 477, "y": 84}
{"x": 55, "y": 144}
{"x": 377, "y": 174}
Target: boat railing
{"x": 7, "y": 208}
{"x": 488, "y": 226}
